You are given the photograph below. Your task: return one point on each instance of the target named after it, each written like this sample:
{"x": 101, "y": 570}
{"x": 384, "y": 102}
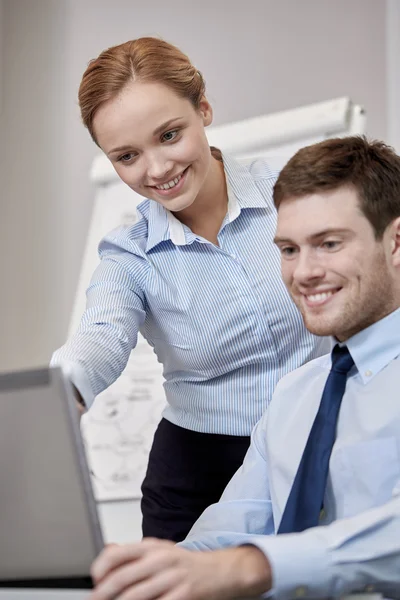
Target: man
{"x": 323, "y": 469}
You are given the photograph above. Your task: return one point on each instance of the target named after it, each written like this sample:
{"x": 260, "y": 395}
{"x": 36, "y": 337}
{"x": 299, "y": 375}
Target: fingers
{"x": 156, "y": 570}
{"x": 123, "y": 585}
{"x": 114, "y": 556}
{"x": 141, "y": 570}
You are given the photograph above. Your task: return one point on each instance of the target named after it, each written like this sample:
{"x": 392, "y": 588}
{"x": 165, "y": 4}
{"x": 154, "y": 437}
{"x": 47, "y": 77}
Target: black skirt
{"x": 187, "y": 472}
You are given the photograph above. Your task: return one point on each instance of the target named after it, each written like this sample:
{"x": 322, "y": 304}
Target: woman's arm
{"x": 94, "y": 357}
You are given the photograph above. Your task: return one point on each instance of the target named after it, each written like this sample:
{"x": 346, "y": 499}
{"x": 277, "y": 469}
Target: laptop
{"x": 49, "y": 527}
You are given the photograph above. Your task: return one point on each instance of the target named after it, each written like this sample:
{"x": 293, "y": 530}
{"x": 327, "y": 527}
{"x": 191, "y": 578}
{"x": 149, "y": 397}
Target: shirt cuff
{"x": 301, "y": 565}
{"x": 77, "y": 376}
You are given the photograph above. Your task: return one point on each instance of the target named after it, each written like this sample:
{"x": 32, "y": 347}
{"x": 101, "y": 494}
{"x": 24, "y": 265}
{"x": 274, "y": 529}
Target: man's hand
{"x": 158, "y": 570}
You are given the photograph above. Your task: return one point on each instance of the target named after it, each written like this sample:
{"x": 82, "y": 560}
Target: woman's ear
{"x": 206, "y": 112}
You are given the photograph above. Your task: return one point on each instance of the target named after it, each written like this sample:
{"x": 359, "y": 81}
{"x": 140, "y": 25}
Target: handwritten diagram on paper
{"x": 119, "y": 428}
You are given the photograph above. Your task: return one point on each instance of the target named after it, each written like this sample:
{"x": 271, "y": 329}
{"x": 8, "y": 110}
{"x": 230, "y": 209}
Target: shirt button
{"x": 368, "y": 373}
{"x": 300, "y": 592}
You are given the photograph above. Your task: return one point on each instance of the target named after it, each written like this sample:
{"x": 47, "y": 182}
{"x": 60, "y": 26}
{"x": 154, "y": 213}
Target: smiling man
{"x": 314, "y": 511}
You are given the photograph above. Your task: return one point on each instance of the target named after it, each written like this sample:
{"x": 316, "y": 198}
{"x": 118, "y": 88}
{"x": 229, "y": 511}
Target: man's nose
{"x": 307, "y": 268}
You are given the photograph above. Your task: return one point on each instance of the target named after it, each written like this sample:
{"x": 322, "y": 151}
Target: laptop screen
{"x": 50, "y": 531}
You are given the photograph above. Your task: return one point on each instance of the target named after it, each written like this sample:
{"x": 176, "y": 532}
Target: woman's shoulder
{"x": 252, "y": 180}
{"x": 260, "y": 168}
{"x": 131, "y": 236}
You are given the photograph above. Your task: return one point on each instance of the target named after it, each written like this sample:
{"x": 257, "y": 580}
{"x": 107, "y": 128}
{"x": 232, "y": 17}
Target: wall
{"x": 1, "y": 52}
{"x": 393, "y": 73}
{"x": 33, "y": 147}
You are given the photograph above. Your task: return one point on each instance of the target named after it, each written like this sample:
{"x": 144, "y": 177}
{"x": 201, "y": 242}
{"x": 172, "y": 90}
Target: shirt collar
{"x": 158, "y": 225}
{"x": 373, "y": 348}
{"x": 242, "y": 193}
{"x": 181, "y": 235}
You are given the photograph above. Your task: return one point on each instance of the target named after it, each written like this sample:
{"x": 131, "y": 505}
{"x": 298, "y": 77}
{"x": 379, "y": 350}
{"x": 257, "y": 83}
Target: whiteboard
{"x": 119, "y": 428}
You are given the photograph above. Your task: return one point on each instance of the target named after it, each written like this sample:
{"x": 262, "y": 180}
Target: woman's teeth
{"x": 170, "y": 184}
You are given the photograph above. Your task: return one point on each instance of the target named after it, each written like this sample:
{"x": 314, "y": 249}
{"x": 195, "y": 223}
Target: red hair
{"x": 145, "y": 59}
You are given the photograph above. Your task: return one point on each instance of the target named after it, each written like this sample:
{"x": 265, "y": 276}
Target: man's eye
{"x": 288, "y": 250}
{"x": 330, "y": 244}
{"x": 168, "y": 136}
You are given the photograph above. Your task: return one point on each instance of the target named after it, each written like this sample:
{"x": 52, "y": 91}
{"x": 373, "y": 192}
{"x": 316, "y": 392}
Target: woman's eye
{"x": 168, "y": 136}
{"x": 126, "y": 157}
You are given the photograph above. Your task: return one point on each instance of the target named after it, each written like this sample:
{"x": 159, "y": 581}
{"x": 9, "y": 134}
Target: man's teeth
{"x": 170, "y": 184}
{"x": 319, "y": 297}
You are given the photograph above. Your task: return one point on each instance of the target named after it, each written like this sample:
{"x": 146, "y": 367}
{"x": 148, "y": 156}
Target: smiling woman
{"x": 198, "y": 275}
{"x": 169, "y": 162}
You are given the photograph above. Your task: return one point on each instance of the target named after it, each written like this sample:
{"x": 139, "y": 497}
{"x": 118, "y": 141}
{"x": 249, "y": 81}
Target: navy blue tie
{"x": 306, "y": 497}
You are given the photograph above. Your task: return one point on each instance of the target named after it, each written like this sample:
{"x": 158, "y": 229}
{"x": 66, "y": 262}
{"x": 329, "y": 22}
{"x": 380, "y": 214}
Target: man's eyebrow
{"x": 315, "y": 236}
{"x": 279, "y": 240}
{"x": 328, "y": 231}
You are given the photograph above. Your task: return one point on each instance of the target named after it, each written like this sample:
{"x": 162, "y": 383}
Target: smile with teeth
{"x": 320, "y": 297}
{"x": 170, "y": 184}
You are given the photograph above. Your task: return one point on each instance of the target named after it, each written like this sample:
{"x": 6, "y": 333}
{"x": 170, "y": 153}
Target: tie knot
{"x": 341, "y": 359}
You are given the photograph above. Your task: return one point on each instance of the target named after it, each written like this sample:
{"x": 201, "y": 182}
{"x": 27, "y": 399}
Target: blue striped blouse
{"x": 218, "y": 317}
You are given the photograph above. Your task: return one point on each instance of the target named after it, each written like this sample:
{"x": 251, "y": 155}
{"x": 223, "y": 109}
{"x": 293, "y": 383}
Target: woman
{"x": 197, "y": 275}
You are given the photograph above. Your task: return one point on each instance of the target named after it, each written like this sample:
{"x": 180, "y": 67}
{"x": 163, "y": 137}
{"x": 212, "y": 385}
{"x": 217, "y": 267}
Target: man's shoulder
{"x": 306, "y": 373}
{"x": 297, "y": 390}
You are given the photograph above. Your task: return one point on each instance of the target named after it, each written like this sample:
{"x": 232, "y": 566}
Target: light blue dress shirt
{"x": 357, "y": 545}
{"x": 218, "y": 317}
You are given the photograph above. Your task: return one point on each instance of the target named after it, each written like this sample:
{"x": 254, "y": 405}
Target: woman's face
{"x": 156, "y": 141}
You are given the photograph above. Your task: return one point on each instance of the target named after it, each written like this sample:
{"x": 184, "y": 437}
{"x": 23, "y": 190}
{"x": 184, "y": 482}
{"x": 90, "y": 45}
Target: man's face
{"x": 340, "y": 277}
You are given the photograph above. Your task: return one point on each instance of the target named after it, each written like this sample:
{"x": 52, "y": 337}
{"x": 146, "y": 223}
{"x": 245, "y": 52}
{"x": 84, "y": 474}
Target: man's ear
{"x": 395, "y": 242}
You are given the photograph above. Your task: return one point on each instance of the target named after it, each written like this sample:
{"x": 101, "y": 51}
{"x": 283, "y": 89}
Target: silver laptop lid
{"x": 49, "y": 528}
